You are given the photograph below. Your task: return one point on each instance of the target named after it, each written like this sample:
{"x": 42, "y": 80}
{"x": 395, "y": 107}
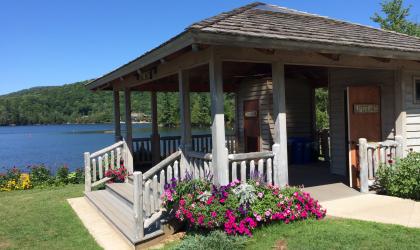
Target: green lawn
{"x": 42, "y": 219}
{"x": 336, "y": 234}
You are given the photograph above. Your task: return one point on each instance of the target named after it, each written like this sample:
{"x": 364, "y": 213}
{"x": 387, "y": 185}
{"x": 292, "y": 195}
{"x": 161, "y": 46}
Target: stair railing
{"x": 200, "y": 164}
{"x": 372, "y": 155}
{"x": 99, "y": 162}
{"x": 148, "y": 190}
{"x": 252, "y": 165}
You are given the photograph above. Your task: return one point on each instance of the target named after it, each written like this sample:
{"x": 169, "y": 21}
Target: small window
{"x": 417, "y": 90}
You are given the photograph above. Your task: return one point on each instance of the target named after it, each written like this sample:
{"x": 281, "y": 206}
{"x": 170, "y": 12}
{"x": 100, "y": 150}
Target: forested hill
{"x": 73, "y": 103}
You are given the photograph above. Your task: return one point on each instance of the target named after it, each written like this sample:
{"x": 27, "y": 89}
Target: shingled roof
{"x": 282, "y": 28}
{"x": 271, "y": 21}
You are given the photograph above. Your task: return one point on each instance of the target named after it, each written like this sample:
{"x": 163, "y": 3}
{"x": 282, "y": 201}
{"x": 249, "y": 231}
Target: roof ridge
{"x": 337, "y": 20}
{"x": 222, "y": 16}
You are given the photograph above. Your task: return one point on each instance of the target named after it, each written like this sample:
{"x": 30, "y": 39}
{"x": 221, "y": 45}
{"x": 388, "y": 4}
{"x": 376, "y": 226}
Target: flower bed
{"x": 39, "y": 177}
{"x": 238, "y": 208}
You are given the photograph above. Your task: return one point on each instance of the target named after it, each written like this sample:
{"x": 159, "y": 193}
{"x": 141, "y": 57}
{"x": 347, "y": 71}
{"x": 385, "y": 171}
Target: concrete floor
{"x": 313, "y": 174}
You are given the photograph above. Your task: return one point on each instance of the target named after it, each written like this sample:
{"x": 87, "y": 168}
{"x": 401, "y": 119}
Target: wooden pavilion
{"x": 272, "y": 58}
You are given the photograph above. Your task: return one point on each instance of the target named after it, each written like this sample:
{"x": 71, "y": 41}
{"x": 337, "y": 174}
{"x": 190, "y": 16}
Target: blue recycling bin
{"x": 300, "y": 150}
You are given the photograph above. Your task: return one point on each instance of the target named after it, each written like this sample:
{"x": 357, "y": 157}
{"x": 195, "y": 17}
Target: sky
{"x": 50, "y": 42}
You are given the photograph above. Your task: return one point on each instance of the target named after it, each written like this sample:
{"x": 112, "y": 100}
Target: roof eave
{"x": 301, "y": 45}
{"x": 178, "y": 42}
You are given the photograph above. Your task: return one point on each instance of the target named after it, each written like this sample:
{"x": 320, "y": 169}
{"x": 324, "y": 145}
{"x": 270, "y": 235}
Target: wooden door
{"x": 251, "y": 126}
{"x": 364, "y": 121}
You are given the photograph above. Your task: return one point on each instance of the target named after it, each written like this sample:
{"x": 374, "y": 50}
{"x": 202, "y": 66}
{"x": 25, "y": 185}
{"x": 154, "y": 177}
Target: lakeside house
{"x": 272, "y": 58}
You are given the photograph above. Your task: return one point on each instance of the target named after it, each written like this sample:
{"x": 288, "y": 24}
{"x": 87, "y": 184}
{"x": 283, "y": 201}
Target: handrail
{"x": 200, "y": 155}
{"x": 99, "y": 162}
{"x": 107, "y": 149}
{"x": 250, "y": 156}
{"x": 372, "y": 155}
{"x": 161, "y": 165}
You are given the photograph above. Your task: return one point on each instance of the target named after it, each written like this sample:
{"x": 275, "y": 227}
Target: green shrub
{"x": 40, "y": 176}
{"x": 215, "y": 240}
{"x": 62, "y": 175}
{"x": 76, "y": 177}
{"x": 402, "y": 179}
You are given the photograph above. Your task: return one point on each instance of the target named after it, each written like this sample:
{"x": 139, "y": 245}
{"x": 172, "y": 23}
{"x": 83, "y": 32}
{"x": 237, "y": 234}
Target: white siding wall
{"x": 298, "y": 104}
{"x": 411, "y": 120}
{"x": 339, "y": 80}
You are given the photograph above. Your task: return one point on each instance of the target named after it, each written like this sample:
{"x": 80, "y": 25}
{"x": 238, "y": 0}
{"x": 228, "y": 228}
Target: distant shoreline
{"x": 53, "y": 124}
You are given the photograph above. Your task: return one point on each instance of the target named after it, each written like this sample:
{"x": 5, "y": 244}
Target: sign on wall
{"x": 365, "y": 108}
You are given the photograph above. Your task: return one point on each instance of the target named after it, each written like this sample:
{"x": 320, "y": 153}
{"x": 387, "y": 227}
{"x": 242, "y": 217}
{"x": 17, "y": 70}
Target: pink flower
{"x": 222, "y": 200}
{"x": 260, "y": 195}
{"x": 258, "y": 218}
{"x": 213, "y": 214}
{"x": 267, "y": 213}
{"x": 210, "y": 200}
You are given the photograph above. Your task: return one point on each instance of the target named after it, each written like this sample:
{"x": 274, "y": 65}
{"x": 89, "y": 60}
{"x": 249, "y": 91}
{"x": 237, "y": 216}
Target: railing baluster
{"x": 100, "y": 167}
{"x": 234, "y": 169}
{"x": 162, "y": 181}
{"x": 252, "y": 169}
{"x": 201, "y": 169}
{"x": 94, "y": 170}
{"x": 243, "y": 171}
{"x": 382, "y": 154}
{"x": 169, "y": 174}
{"x": 370, "y": 152}
{"x": 269, "y": 171}
{"x": 106, "y": 160}
{"x": 146, "y": 196}
{"x": 261, "y": 168}
{"x": 206, "y": 168}
{"x": 112, "y": 159}
{"x": 118, "y": 158}
{"x": 196, "y": 169}
{"x": 176, "y": 170}
{"x": 156, "y": 193}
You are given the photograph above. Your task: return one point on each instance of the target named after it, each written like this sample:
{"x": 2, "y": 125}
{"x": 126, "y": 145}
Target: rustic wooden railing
{"x": 372, "y": 155}
{"x": 200, "y": 164}
{"x": 96, "y": 164}
{"x": 142, "y": 147}
{"x": 148, "y": 189}
{"x": 248, "y": 165}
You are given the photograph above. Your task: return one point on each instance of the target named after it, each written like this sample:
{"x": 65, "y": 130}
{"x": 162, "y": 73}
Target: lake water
{"x": 55, "y": 145}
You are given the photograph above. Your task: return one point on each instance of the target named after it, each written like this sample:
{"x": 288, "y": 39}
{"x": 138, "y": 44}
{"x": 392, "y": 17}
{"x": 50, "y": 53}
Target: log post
{"x": 184, "y": 97}
{"x": 128, "y": 123}
{"x": 138, "y": 204}
{"x": 88, "y": 177}
{"x": 155, "y": 138}
{"x": 363, "y": 162}
{"x": 399, "y": 152}
{"x": 117, "y": 115}
{"x": 325, "y": 135}
{"x": 219, "y": 151}
{"x": 280, "y": 161}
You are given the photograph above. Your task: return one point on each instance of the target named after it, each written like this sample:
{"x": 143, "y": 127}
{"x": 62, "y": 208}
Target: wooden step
{"x": 116, "y": 211}
{"x": 120, "y": 215}
{"x": 123, "y": 191}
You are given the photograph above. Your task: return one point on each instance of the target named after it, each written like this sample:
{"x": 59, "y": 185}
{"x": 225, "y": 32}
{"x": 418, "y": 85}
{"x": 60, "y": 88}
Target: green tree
{"x": 395, "y": 18}
{"x": 321, "y": 108}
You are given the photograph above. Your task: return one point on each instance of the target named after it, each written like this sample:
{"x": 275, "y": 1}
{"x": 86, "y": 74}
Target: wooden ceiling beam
{"x": 382, "y": 59}
{"x": 334, "y": 57}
